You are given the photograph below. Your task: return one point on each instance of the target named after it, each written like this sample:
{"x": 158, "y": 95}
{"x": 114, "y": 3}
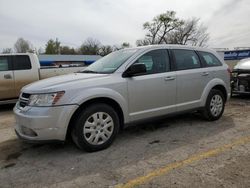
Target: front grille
{"x": 24, "y": 99}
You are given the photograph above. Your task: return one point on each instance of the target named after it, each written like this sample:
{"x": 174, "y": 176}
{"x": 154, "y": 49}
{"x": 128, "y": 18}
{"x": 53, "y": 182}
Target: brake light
{"x": 229, "y": 72}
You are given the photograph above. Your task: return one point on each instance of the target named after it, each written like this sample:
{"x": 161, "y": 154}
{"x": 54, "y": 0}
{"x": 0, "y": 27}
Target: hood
{"x": 243, "y": 64}
{"x": 60, "y": 82}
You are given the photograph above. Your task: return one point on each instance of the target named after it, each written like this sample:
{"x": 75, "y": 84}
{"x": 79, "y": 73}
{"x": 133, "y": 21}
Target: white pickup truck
{"x": 18, "y": 70}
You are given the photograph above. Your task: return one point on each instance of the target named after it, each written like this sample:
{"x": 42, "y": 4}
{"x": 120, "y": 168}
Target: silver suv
{"x": 124, "y": 87}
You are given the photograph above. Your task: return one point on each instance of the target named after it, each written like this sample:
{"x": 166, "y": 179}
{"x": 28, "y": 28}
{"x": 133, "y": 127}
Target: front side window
{"x": 22, "y": 62}
{"x": 4, "y": 63}
{"x": 186, "y": 59}
{"x": 156, "y": 61}
{"x": 210, "y": 59}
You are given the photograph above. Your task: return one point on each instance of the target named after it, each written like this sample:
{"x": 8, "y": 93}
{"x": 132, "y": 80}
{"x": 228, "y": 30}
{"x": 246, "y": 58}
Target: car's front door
{"x": 153, "y": 93}
{"x": 7, "y": 84}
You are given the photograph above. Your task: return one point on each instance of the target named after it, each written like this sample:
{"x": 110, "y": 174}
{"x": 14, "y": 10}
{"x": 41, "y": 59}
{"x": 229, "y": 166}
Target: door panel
{"x": 151, "y": 95}
{"x": 192, "y": 79}
{"x": 154, "y": 93}
{"x": 190, "y": 86}
{"x": 7, "y": 86}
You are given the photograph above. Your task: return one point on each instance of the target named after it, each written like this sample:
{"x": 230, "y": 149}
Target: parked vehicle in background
{"x": 18, "y": 70}
{"x": 240, "y": 83}
{"x": 124, "y": 87}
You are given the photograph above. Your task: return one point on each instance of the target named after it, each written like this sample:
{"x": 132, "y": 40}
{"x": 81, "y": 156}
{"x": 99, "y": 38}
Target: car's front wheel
{"x": 214, "y": 105}
{"x": 96, "y": 127}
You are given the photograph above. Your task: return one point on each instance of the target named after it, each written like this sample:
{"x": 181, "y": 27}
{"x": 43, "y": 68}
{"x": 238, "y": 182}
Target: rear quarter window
{"x": 21, "y": 62}
{"x": 210, "y": 60}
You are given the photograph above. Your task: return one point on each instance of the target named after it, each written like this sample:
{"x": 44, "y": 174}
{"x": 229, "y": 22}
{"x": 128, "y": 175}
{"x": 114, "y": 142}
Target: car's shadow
{"x": 6, "y": 107}
{"x": 132, "y": 144}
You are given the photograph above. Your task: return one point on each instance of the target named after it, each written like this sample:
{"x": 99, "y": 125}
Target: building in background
{"x": 67, "y": 60}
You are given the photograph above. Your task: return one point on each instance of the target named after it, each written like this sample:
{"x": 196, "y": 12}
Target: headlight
{"x": 47, "y": 99}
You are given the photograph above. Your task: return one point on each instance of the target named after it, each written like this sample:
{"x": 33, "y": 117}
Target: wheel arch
{"x": 104, "y": 100}
{"x": 222, "y": 89}
{"x": 214, "y": 84}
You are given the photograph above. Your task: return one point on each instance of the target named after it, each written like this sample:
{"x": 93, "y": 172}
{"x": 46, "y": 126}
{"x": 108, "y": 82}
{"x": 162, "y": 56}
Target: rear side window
{"x": 209, "y": 59}
{"x": 156, "y": 61}
{"x": 21, "y": 62}
{"x": 186, "y": 59}
{"x": 4, "y": 63}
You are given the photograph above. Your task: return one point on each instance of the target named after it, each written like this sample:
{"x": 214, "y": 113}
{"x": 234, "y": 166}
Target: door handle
{"x": 168, "y": 78}
{"x": 7, "y": 76}
{"x": 204, "y": 74}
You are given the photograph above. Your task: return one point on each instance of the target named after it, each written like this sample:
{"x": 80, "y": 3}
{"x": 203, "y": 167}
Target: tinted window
{"x": 22, "y": 62}
{"x": 4, "y": 64}
{"x": 209, "y": 59}
{"x": 186, "y": 59}
{"x": 156, "y": 61}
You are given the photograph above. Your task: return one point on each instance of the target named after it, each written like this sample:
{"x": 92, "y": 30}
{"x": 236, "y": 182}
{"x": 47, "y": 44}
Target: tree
{"x": 191, "y": 32}
{"x": 7, "y": 50}
{"x": 122, "y": 46}
{"x": 90, "y": 47}
{"x": 143, "y": 42}
{"x": 40, "y": 51}
{"x": 52, "y": 47}
{"x": 67, "y": 50}
{"x": 22, "y": 46}
{"x": 159, "y": 27}
{"x": 125, "y": 45}
{"x": 168, "y": 29}
{"x": 105, "y": 50}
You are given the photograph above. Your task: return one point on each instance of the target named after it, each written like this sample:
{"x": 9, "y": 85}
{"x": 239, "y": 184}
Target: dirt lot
{"x": 183, "y": 151}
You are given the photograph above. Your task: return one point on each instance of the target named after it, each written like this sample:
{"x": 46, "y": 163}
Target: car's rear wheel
{"x": 214, "y": 105}
{"x": 96, "y": 127}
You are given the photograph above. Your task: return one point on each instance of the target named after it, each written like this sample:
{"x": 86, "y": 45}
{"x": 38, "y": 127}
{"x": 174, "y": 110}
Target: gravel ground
{"x": 137, "y": 151}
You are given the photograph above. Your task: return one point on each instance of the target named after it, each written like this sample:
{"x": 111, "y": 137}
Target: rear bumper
{"x": 41, "y": 124}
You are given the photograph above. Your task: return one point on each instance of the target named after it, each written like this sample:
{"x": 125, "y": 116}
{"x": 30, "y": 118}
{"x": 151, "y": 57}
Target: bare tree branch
{"x": 167, "y": 28}
{"x": 22, "y": 46}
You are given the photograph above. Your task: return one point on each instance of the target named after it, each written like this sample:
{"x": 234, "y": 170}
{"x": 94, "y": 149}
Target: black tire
{"x": 207, "y": 112}
{"x": 78, "y": 134}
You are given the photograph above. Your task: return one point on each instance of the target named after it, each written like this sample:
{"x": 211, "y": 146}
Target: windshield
{"x": 110, "y": 63}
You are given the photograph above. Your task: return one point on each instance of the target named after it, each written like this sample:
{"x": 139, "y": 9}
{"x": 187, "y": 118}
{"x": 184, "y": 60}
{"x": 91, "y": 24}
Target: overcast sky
{"x": 116, "y": 21}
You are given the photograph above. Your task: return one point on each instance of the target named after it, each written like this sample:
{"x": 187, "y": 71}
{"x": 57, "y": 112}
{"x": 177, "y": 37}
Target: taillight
{"x": 229, "y": 72}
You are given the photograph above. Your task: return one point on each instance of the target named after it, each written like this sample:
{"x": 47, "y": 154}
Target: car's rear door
{"x": 192, "y": 78}
{"x": 7, "y": 85}
{"x": 153, "y": 93}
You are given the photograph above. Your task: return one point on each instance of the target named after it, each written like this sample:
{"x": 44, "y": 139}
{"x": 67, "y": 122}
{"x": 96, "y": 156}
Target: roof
{"x": 178, "y": 46}
{"x": 68, "y": 57}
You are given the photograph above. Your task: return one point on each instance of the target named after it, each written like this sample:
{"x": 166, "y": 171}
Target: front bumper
{"x": 241, "y": 92}
{"x": 43, "y": 123}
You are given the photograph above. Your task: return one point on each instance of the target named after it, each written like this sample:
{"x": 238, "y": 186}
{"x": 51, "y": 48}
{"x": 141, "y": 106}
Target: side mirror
{"x": 134, "y": 70}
